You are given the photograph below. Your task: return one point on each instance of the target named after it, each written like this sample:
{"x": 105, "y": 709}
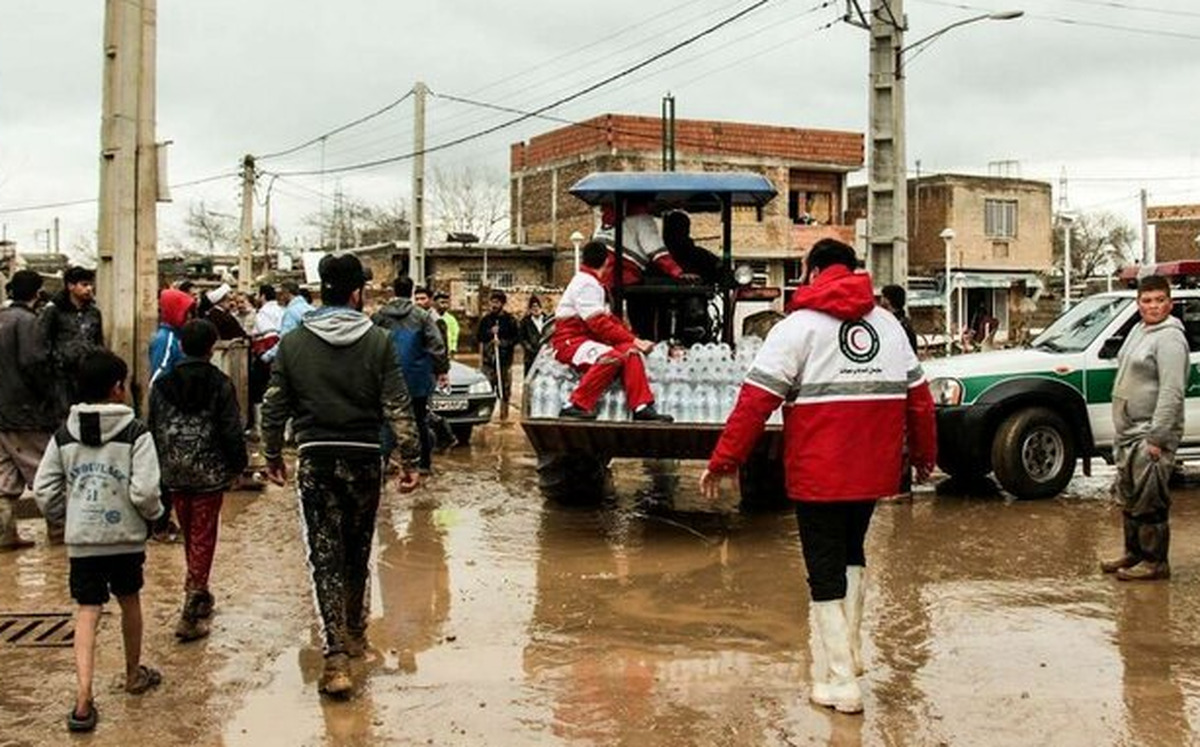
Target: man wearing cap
{"x": 339, "y": 412}
{"x": 71, "y": 327}
{"x": 27, "y": 409}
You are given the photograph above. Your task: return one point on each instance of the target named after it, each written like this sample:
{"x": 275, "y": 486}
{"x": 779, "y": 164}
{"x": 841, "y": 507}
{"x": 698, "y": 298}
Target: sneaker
{"x": 1145, "y": 571}
{"x": 577, "y": 412}
{"x": 190, "y": 628}
{"x": 1115, "y": 564}
{"x": 649, "y": 414}
{"x": 335, "y": 679}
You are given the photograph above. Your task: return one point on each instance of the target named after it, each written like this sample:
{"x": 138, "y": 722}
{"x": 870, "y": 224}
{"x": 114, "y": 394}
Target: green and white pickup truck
{"x": 1029, "y": 414}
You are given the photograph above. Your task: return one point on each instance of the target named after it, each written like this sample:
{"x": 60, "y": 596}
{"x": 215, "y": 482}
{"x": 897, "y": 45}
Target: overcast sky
{"x": 1104, "y": 89}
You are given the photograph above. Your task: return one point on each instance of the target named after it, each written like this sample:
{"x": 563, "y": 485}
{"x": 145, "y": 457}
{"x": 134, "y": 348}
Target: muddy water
{"x": 499, "y": 620}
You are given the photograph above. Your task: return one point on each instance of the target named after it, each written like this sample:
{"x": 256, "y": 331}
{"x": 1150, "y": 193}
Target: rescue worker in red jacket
{"x": 851, "y": 389}
{"x": 591, "y": 339}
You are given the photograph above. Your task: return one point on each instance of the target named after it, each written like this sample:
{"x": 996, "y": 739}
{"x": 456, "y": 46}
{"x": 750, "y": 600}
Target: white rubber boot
{"x": 818, "y": 669}
{"x": 840, "y": 689}
{"x": 853, "y": 603}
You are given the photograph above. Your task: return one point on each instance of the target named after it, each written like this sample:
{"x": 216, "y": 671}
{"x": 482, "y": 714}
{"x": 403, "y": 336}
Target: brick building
{"x": 1176, "y": 231}
{"x": 807, "y": 167}
{"x": 1003, "y": 240}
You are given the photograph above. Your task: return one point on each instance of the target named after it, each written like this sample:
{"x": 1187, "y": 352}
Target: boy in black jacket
{"x": 202, "y": 449}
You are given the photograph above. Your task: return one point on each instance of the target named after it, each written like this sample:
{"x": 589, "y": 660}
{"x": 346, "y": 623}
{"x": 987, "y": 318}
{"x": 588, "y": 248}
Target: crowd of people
{"x": 858, "y": 413}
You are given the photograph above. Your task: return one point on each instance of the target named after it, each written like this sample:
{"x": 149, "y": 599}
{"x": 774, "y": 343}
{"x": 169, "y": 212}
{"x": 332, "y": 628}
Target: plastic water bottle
{"x": 542, "y": 402}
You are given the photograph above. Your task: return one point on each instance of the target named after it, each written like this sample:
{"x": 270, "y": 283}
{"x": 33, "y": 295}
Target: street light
{"x": 1066, "y": 219}
{"x": 576, "y": 241}
{"x": 1005, "y": 15}
{"x": 887, "y": 190}
{"x": 947, "y": 236}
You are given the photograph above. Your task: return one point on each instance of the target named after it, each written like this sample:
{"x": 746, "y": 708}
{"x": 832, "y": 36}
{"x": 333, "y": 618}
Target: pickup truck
{"x": 1028, "y": 415}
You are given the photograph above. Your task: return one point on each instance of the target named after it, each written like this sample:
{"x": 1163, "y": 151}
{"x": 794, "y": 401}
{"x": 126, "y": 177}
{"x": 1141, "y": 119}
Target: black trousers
{"x": 339, "y": 496}
{"x": 831, "y": 538}
{"x": 420, "y": 406}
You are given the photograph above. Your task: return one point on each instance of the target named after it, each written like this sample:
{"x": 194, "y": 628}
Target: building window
{"x": 504, "y": 279}
{"x": 1000, "y": 218}
{"x": 999, "y": 250}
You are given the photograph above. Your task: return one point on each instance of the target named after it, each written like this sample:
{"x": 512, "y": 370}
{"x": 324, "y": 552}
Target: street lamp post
{"x": 947, "y": 236}
{"x": 1066, "y": 219}
{"x": 887, "y": 165}
{"x": 576, "y": 241}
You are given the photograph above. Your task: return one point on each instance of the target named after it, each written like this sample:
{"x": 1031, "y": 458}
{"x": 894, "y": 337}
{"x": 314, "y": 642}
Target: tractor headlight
{"x": 946, "y": 392}
{"x": 743, "y": 274}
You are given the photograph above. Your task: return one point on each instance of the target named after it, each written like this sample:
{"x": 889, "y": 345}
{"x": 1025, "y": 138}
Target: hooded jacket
{"x": 165, "y": 350}
{"x": 100, "y": 473}
{"x": 197, "y": 428}
{"x": 418, "y": 343}
{"x": 1152, "y": 376}
{"x": 26, "y": 399}
{"x": 338, "y": 377}
{"x": 851, "y": 389}
{"x": 582, "y": 316}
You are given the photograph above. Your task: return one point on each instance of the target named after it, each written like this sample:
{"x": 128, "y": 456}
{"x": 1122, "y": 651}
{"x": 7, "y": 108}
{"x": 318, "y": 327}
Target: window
{"x": 1000, "y": 218}
{"x": 504, "y": 279}
{"x": 999, "y": 250}
{"x": 1188, "y": 312}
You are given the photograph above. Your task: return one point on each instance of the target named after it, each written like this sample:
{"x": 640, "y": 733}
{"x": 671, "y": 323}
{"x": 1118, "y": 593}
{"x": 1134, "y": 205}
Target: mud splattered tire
{"x": 574, "y": 479}
{"x": 1033, "y": 454}
{"x": 462, "y": 433}
{"x": 762, "y": 485}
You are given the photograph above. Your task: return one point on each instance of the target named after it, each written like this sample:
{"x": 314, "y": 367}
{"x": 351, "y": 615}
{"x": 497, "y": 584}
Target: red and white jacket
{"x": 643, "y": 248}
{"x": 582, "y": 316}
{"x": 851, "y": 389}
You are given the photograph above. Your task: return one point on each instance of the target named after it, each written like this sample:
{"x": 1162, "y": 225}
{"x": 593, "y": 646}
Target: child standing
{"x": 100, "y": 475}
{"x": 196, "y": 423}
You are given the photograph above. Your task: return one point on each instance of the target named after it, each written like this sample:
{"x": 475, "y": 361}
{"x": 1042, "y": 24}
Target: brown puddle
{"x": 499, "y": 620}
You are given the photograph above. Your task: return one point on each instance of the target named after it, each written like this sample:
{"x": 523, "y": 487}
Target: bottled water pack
{"x": 694, "y": 385}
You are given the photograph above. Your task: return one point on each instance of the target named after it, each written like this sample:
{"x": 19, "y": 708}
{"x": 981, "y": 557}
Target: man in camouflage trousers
{"x": 337, "y": 376}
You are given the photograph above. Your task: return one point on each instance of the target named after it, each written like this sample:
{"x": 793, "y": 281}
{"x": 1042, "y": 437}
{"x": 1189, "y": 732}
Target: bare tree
{"x": 471, "y": 200}
{"x": 1099, "y": 241}
{"x": 217, "y": 231}
{"x": 353, "y": 222}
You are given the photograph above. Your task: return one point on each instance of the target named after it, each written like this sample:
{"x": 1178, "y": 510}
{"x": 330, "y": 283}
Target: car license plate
{"x": 448, "y": 405}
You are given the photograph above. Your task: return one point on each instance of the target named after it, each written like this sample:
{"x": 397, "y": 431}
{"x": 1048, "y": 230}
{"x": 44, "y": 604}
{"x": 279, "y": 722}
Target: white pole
{"x": 1066, "y": 263}
{"x": 947, "y": 236}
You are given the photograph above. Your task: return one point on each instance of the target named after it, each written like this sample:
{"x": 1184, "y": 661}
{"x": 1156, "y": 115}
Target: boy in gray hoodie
{"x": 1148, "y": 406}
{"x": 100, "y": 475}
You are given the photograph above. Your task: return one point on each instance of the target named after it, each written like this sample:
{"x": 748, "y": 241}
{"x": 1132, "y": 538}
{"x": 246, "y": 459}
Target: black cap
{"x": 341, "y": 273}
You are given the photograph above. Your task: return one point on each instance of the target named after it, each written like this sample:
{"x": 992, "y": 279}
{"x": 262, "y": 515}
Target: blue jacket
{"x": 418, "y": 342}
{"x": 165, "y": 351}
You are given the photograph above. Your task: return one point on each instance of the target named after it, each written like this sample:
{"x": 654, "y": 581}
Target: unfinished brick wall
{"x": 1175, "y": 230}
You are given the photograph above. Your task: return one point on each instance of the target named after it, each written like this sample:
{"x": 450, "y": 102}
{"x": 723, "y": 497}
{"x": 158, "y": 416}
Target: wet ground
{"x": 503, "y": 621}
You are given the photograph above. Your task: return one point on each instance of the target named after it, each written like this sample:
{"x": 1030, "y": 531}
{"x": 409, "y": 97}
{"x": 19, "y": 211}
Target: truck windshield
{"x": 1075, "y": 330}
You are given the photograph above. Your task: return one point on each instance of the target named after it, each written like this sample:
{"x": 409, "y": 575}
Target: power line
{"x": 1073, "y": 21}
{"x": 1125, "y": 6}
{"x": 336, "y": 130}
{"x": 90, "y": 200}
{"x": 559, "y": 102}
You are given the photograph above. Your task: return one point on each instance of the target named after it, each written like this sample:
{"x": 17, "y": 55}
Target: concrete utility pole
{"x": 887, "y": 190}
{"x": 127, "y": 274}
{"x": 1148, "y": 250}
{"x": 246, "y": 252}
{"x": 416, "y": 252}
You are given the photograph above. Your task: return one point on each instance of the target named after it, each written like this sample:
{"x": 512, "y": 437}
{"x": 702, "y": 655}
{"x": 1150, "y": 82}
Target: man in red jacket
{"x": 851, "y": 389}
{"x": 591, "y": 339}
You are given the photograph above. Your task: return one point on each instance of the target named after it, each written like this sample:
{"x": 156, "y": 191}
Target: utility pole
{"x": 127, "y": 274}
{"x": 57, "y": 249}
{"x": 1148, "y": 251}
{"x": 887, "y": 187}
{"x": 416, "y": 252}
{"x": 246, "y": 253}
{"x": 668, "y": 133}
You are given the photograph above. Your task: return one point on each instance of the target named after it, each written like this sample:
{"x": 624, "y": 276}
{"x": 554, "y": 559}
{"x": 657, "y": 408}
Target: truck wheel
{"x": 1034, "y": 453}
{"x": 462, "y": 432}
{"x": 762, "y": 485}
{"x": 574, "y": 479}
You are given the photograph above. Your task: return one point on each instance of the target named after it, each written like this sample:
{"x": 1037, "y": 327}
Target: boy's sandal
{"x": 86, "y": 723}
{"x": 146, "y": 679}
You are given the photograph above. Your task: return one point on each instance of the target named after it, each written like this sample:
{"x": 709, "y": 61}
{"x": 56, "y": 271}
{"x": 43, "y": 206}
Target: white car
{"x": 1029, "y": 414}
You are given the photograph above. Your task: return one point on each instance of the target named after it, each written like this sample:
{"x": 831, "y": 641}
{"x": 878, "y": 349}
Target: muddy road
{"x": 499, "y": 620}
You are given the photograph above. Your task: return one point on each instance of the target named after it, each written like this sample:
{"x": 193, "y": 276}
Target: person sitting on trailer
{"x": 692, "y": 258}
{"x": 592, "y": 340}
{"x": 644, "y": 253}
